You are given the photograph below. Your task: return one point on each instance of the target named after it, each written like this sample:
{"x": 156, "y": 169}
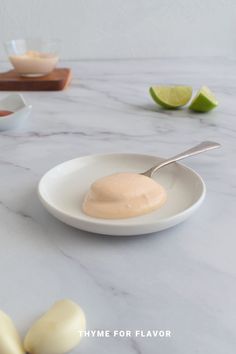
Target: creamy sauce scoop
{"x": 34, "y": 63}
{"x": 123, "y": 195}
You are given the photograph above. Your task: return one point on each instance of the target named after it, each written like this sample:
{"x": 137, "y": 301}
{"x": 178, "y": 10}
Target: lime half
{"x": 171, "y": 96}
{"x": 204, "y": 101}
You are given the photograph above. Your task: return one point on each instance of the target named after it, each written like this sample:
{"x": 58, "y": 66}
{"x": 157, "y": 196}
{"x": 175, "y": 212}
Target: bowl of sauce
{"x": 105, "y": 194}
{"x": 14, "y": 111}
{"x": 33, "y": 57}
{"x": 4, "y": 113}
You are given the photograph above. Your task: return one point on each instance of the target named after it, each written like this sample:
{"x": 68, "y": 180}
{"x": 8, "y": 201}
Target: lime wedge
{"x": 171, "y": 96}
{"x": 204, "y": 101}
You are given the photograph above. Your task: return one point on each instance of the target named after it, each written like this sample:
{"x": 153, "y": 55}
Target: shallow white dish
{"x": 62, "y": 189}
{"x": 21, "y": 110}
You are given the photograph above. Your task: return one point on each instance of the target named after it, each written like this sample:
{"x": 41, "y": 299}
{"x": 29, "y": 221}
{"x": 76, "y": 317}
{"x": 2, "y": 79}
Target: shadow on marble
{"x": 179, "y": 112}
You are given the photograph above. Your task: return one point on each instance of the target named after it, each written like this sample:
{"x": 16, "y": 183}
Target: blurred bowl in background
{"x": 33, "y": 57}
{"x": 18, "y": 111}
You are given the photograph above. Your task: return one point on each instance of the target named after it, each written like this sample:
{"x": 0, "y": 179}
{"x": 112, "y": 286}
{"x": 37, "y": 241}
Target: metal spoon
{"x": 202, "y": 147}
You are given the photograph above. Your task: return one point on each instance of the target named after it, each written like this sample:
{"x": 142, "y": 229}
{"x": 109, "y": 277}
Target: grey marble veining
{"x": 182, "y": 279}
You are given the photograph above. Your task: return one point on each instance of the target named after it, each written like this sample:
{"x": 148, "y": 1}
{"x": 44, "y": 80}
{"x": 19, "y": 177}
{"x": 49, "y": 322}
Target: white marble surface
{"x": 182, "y": 279}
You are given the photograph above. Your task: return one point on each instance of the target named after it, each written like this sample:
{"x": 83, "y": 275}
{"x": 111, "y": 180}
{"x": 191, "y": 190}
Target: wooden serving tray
{"x": 57, "y": 80}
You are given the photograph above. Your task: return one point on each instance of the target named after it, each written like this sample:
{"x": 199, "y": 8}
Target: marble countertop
{"x": 182, "y": 279}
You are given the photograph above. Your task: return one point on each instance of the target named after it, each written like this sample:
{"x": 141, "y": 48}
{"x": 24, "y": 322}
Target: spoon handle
{"x": 202, "y": 147}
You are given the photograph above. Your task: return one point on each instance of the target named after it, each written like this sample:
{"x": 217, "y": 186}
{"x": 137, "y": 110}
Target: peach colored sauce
{"x": 123, "y": 195}
{"x": 4, "y": 113}
{"x": 34, "y": 63}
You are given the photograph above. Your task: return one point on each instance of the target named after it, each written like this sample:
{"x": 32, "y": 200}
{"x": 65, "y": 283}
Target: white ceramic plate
{"x": 21, "y": 110}
{"x": 63, "y": 188}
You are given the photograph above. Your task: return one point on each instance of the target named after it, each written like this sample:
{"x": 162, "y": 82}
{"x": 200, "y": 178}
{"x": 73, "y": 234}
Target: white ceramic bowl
{"x": 21, "y": 110}
{"x": 63, "y": 188}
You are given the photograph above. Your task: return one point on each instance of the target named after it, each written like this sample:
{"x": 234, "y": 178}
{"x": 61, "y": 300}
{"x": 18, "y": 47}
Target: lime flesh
{"x": 204, "y": 101}
{"x": 171, "y": 97}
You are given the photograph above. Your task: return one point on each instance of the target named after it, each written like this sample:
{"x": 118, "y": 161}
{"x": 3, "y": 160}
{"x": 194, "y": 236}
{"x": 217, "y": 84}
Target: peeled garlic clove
{"x": 57, "y": 331}
{"x": 10, "y": 342}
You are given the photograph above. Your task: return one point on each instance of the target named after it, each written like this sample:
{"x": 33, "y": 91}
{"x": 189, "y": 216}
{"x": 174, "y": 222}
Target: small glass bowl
{"x": 33, "y": 57}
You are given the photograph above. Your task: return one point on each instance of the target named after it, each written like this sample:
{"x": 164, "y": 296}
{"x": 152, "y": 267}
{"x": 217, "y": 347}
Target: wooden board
{"x": 57, "y": 80}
